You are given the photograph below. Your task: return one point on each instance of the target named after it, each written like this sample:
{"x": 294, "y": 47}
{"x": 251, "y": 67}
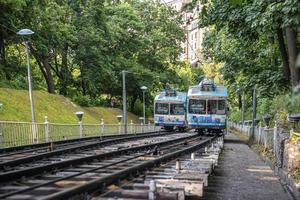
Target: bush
{"x": 236, "y": 115}
{"x": 82, "y": 100}
{"x": 138, "y": 108}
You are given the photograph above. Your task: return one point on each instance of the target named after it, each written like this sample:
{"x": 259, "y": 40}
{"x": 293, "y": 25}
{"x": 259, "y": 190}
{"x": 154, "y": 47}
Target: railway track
{"x": 85, "y": 175}
{"x": 12, "y": 153}
{"x": 77, "y": 155}
{"x": 185, "y": 177}
{"x": 10, "y": 160}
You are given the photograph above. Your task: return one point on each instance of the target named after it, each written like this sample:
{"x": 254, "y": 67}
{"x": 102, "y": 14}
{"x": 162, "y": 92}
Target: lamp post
{"x": 254, "y": 112}
{"x": 24, "y": 33}
{"x": 142, "y": 125}
{"x": 1, "y": 135}
{"x": 119, "y": 117}
{"x": 243, "y": 108}
{"x": 79, "y": 116}
{"x": 144, "y": 88}
{"x": 124, "y": 100}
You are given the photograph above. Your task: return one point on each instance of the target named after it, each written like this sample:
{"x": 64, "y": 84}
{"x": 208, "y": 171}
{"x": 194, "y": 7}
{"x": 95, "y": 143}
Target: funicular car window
{"x": 197, "y": 106}
{"x": 162, "y": 108}
{"x": 211, "y": 106}
{"x": 177, "y": 109}
{"x": 221, "y": 107}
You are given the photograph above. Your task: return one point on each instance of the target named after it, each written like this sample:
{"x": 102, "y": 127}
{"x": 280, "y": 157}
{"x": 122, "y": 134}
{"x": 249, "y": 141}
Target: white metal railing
{"x": 22, "y": 133}
{"x": 271, "y": 138}
{"x": 262, "y": 135}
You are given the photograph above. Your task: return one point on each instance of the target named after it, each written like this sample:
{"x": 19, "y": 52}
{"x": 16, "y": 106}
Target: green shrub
{"x": 236, "y": 115}
{"x": 82, "y": 100}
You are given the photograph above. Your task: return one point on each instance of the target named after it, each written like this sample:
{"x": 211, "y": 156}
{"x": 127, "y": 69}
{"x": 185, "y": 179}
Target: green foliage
{"x": 80, "y": 47}
{"x": 245, "y": 36}
{"x": 245, "y": 66}
{"x": 82, "y": 100}
{"x": 235, "y": 115}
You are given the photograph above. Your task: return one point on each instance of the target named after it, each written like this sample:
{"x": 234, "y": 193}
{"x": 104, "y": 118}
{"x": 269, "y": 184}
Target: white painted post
{"x": 193, "y": 156}
{"x": 80, "y": 129}
{"x": 102, "y": 127}
{"x": 265, "y": 134}
{"x": 259, "y": 132}
{"x": 34, "y": 134}
{"x": 152, "y": 190}
{"x": 275, "y": 137}
{"x": 178, "y": 165}
{"x": 119, "y": 123}
{"x": 1, "y": 137}
{"x": 79, "y": 115}
{"x": 149, "y": 126}
{"x": 142, "y": 127}
{"x": 46, "y": 129}
{"x": 131, "y": 126}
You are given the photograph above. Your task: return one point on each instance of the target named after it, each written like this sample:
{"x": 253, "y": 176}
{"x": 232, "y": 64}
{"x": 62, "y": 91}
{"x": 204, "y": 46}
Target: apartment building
{"x": 194, "y": 35}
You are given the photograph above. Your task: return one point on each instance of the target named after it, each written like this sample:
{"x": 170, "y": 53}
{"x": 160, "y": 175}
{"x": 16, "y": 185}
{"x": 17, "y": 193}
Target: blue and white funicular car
{"x": 169, "y": 110}
{"x": 207, "y": 110}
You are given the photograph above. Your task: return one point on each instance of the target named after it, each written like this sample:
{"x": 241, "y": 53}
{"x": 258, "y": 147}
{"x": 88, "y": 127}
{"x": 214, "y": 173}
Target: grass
{"x": 16, "y": 107}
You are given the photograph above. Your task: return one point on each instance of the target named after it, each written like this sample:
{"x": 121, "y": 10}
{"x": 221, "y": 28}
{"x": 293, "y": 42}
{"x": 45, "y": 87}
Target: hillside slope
{"x": 16, "y": 107}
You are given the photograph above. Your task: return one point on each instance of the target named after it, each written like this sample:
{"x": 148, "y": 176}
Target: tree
{"x": 256, "y": 20}
{"x": 80, "y": 47}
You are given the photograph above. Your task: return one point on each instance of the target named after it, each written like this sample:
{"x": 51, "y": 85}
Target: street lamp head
{"x": 144, "y": 88}
{"x": 79, "y": 115}
{"x": 119, "y": 117}
{"x": 24, "y": 32}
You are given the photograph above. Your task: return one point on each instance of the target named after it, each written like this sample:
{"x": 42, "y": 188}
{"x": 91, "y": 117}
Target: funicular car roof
{"x": 195, "y": 91}
{"x": 179, "y": 98}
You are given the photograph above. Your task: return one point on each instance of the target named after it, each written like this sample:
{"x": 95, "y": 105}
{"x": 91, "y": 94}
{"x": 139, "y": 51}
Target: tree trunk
{"x": 292, "y": 52}
{"x": 284, "y": 55}
{"x": 82, "y": 82}
{"x": 240, "y": 101}
{"x": 2, "y": 50}
{"x": 64, "y": 73}
{"x": 46, "y": 70}
{"x": 48, "y": 77}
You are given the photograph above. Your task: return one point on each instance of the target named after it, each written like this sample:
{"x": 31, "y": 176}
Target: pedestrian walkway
{"x": 242, "y": 174}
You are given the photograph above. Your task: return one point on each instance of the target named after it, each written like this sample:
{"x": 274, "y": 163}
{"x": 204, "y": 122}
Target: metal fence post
{"x": 275, "y": 137}
{"x": 142, "y": 127}
{"x": 131, "y": 126}
{"x": 149, "y": 126}
{"x": 102, "y": 127}
{"x": 34, "y": 134}
{"x": 46, "y": 129}
{"x": 119, "y": 125}
{"x": 260, "y": 130}
{"x": 265, "y": 139}
{"x": 80, "y": 129}
{"x": 1, "y": 138}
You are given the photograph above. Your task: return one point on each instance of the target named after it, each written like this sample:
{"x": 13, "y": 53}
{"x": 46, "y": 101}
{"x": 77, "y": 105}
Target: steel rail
{"x": 95, "y": 169}
{"x": 61, "y": 142}
{"x": 11, "y": 175}
{"x": 110, "y": 179}
{"x": 13, "y": 163}
{"x": 67, "y": 177}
